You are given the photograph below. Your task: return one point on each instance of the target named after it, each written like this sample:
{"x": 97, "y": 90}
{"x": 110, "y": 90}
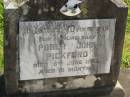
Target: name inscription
{"x": 49, "y": 49}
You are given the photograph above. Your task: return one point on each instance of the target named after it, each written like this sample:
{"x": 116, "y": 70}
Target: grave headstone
{"x": 63, "y": 47}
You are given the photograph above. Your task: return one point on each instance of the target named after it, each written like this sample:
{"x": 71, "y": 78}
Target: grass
{"x": 126, "y": 50}
{"x": 1, "y": 37}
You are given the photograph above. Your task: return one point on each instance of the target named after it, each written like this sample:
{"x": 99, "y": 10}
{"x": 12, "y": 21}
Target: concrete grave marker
{"x": 50, "y": 54}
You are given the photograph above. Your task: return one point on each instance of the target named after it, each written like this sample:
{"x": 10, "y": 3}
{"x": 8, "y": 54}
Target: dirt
{"x": 124, "y": 79}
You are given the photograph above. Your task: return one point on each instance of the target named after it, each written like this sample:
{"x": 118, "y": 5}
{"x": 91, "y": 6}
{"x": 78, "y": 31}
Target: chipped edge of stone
{"x": 119, "y": 3}
{"x": 10, "y": 4}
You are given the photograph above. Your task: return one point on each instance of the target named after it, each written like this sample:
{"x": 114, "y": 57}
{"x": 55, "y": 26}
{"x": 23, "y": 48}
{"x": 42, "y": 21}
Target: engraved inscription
{"x": 50, "y": 49}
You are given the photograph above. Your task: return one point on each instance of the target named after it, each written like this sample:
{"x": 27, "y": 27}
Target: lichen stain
{"x": 84, "y": 9}
{"x": 25, "y": 9}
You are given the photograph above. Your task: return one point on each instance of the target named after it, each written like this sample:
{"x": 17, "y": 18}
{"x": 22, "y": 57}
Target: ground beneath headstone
{"x": 124, "y": 79}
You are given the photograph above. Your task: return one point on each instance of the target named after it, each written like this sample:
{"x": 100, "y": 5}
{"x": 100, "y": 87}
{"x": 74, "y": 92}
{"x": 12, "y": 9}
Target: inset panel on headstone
{"x": 50, "y": 49}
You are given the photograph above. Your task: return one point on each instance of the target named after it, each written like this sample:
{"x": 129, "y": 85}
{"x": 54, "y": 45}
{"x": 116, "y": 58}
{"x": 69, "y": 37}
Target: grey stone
{"x": 88, "y": 81}
{"x": 92, "y": 9}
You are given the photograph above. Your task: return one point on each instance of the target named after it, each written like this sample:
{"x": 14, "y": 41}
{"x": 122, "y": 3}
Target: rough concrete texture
{"x": 96, "y": 9}
{"x": 119, "y": 91}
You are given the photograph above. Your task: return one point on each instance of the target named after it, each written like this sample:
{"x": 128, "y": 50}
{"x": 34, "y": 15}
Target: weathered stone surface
{"x": 50, "y": 49}
{"x": 49, "y": 10}
{"x": 88, "y": 81}
{"x": 10, "y": 50}
{"x": 118, "y": 91}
